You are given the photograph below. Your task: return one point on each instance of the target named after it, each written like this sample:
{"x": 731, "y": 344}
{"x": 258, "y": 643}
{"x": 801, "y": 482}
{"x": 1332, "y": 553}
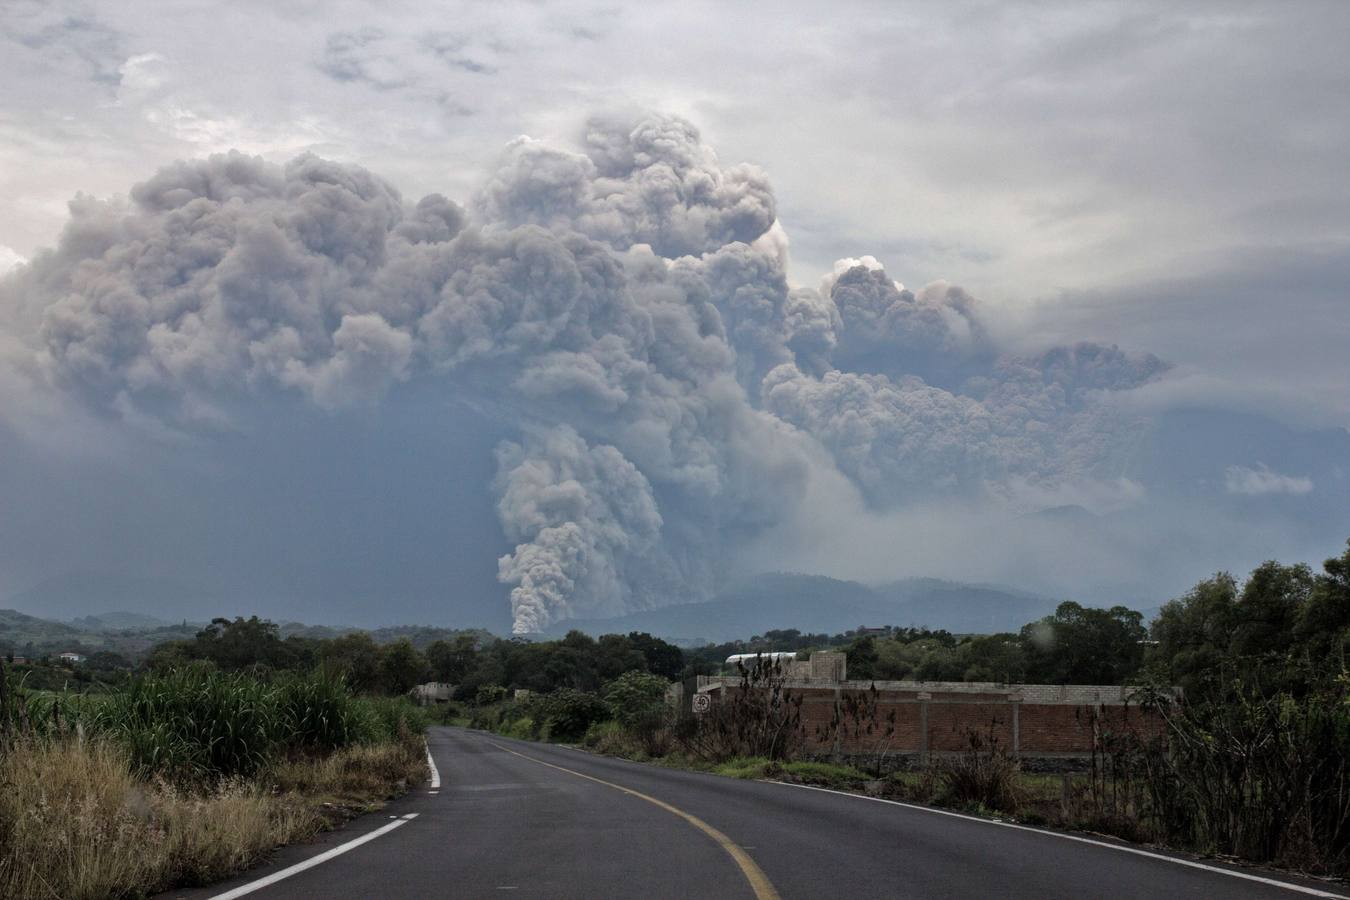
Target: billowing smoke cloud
{"x": 624, "y": 310}
{"x": 579, "y": 514}
{"x": 1042, "y": 421}
{"x": 651, "y": 183}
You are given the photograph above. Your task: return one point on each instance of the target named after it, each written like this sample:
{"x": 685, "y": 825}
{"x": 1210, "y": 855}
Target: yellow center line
{"x": 759, "y": 882}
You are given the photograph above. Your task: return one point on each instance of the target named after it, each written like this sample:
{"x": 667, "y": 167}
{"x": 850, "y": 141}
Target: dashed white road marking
{"x": 435, "y": 773}
{"x": 314, "y": 860}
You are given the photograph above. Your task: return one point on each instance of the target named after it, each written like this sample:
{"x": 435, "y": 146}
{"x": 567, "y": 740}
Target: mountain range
{"x": 745, "y": 607}
{"x": 815, "y": 603}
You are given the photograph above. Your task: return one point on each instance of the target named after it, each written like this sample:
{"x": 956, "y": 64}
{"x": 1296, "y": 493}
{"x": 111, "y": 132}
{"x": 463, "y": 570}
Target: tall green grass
{"x": 198, "y": 723}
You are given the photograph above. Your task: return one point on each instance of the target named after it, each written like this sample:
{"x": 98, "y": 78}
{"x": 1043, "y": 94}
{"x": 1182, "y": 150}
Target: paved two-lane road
{"x": 531, "y": 820}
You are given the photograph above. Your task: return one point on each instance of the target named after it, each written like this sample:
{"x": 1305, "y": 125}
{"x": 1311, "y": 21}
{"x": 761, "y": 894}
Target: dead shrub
{"x": 983, "y": 775}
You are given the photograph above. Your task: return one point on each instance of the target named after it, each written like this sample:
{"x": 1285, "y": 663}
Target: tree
{"x": 356, "y": 657}
{"x": 664, "y": 659}
{"x": 107, "y": 661}
{"x": 1284, "y": 629}
{"x": 637, "y": 699}
{"x": 567, "y": 713}
{"x": 1323, "y": 625}
{"x": 992, "y": 657}
{"x": 615, "y": 654}
{"x": 1081, "y": 645}
{"x": 1268, "y": 609}
{"x": 862, "y": 658}
{"x": 168, "y": 655}
{"x": 401, "y": 667}
{"x": 1193, "y": 633}
{"x": 239, "y": 643}
{"x": 451, "y": 661}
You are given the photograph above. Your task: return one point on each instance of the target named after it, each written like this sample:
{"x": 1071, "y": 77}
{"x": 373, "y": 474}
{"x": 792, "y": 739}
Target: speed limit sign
{"x": 702, "y": 703}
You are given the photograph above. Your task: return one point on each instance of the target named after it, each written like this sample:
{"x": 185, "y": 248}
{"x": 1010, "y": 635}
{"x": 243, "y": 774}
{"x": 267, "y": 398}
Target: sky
{"x": 1048, "y": 295}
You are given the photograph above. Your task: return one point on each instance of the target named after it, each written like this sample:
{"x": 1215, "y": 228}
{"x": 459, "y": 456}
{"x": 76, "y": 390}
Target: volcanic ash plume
{"x": 622, "y": 307}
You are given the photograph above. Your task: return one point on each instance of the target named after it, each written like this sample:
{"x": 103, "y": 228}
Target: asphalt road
{"x": 513, "y": 818}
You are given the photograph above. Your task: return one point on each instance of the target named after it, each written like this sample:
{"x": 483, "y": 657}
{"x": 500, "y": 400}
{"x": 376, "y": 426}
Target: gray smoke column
{"x": 579, "y": 514}
{"x": 622, "y": 307}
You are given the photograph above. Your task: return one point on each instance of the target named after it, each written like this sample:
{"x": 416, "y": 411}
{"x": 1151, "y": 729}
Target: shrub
{"x": 523, "y": 729}
{"x": 637, "y": 700}
{"x": 567, "y": 713}
{"x": 1265, "y": 778}
{"x": 983, "y": 776}
{"x": 759, "y": 717}
{"x": 488, "y": 694}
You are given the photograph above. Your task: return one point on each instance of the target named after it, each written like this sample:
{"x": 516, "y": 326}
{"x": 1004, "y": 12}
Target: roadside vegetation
{"x": 186, "y": 776}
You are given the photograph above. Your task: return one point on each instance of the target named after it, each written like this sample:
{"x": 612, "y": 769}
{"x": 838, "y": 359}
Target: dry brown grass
{"x": 73, "y": 823}
{"x": 355, "y": 777}
{"x": 76, "y": 823}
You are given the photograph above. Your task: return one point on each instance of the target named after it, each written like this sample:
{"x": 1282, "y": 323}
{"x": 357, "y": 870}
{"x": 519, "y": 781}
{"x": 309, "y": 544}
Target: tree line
{"x": 1285, "y": 626}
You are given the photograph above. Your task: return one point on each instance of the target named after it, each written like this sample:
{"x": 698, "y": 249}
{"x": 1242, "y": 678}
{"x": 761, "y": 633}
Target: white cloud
{"x": 1261, "y": 480}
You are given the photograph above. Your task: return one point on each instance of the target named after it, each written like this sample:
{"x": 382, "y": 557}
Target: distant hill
{"x": 133, "y": 634}
{"x": 119, "y": 621}
{"x": 963, "y": 608}
{"x": 86, "y": 593}
{"x": 24, "y": 634}
{"x": 815, "y": 603}
{"x": 18, "y": 629}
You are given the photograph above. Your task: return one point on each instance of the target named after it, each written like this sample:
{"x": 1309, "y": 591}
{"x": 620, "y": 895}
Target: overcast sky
{"x": 1169, "y": 178}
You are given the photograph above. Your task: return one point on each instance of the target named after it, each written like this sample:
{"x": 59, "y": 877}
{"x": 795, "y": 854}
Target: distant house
{"x": 19, "y": 660}
{"x": 433, "y": 692}
{"x": 71, "y": 657}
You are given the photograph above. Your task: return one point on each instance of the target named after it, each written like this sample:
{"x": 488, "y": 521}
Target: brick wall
{"x": 938, "y": 718}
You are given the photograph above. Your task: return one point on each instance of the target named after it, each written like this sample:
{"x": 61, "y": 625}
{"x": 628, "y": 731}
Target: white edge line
{"x": 1287, "y": 885}
{"x": 435, "y": 773}
{"x": 313, "y": 860}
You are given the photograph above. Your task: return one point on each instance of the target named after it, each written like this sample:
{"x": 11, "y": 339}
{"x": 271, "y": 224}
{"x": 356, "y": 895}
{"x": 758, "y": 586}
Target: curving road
{"x": 512, "y": 818}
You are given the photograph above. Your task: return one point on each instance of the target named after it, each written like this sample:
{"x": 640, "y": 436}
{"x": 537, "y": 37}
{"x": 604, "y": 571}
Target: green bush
{"x": 523, "y": 729}
{"x": 567, "y": 713}
{"x": 600, "y": 732}
{"x": 637, "y": 700}
{"x": 489, "y": 694}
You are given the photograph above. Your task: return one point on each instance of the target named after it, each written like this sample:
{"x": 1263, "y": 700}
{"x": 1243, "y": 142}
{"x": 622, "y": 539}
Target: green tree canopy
{"x": 1081, "y": 645}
